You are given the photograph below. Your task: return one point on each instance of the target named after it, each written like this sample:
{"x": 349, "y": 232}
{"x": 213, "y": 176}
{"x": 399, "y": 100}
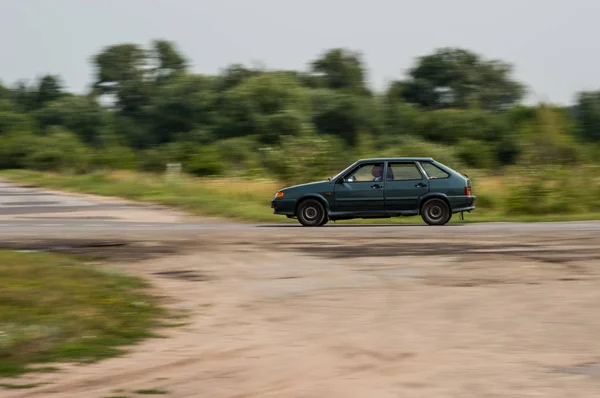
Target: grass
{"x": 152, "y": 391}
{"x": 249, "y": 200}
{"x": 11, "y": 386}
{"x": 55, "y": 309}
{"x": 236, "y": 199}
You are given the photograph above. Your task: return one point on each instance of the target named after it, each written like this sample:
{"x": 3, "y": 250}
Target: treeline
{"x": 145, "y": 109}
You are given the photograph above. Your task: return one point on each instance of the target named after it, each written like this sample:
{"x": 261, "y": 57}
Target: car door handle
{"x": 421, "y": 185}
{"x": 375, "y": 186}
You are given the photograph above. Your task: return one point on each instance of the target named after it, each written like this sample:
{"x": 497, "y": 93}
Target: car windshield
{"x": 343, "y": 172}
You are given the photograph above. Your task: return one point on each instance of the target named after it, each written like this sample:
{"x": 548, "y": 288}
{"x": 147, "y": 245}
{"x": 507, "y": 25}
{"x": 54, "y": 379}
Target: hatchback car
{"x": 411, "y": 187}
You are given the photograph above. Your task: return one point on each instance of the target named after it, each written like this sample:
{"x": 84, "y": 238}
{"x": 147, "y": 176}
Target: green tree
{"x": 121, "y": 70}
{"x": 341, "y": 69}
{"x": 587, "y": 114}
{"x": 80, "y": 114}
{"x": 458, "y": 78}
{"x": 12, "y": 120}
{"x": 168, "y": 60}
{"x": 267, "y": 105}
{"x": 232, "y": 76}
{"x": 50, "y": 88}
{"x": 180, "y": 106}
{"x": 344, "y": 115}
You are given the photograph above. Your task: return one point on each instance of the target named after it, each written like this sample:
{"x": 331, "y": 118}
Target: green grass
{"x": 55, "y": 309}
{"x": 249, "y": 200}
{"x": 11, "y": 386}
{"x": 151, "y": 392}
{"x": 230, "y": 198}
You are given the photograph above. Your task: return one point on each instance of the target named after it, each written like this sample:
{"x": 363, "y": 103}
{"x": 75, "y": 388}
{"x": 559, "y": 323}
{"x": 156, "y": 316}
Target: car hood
{"x": 307, "y": 186}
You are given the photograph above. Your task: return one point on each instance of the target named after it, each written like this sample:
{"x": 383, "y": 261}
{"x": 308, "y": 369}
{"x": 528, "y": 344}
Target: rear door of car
{"x": 405, "y": 184}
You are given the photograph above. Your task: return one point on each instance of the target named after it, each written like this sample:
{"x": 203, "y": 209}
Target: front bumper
{"x": 283, "y": 206}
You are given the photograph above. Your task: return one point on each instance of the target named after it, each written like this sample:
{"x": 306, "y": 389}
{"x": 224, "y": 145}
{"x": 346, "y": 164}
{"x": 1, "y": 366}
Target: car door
{"x": 361, "y": 190}
{"x": 404, "y": 186}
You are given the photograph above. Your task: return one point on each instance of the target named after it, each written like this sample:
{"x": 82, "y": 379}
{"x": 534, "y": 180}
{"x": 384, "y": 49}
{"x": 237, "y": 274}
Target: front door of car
{"x": 361, "y": 190}
{"x": 404, "y": 186}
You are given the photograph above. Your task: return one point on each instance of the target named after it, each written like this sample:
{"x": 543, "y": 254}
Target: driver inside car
{"x": 377, "y": 173}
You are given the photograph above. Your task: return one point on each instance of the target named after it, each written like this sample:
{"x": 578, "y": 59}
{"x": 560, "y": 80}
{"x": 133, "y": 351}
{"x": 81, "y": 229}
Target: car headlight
{"x": 278, "y": 195}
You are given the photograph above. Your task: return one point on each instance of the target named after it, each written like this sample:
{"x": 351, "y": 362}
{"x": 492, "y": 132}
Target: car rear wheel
{"x": 311, "y": 213}
{"x": 436, "y": 212}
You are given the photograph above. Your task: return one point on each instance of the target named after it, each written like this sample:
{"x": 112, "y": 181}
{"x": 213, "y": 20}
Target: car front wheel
{"x": 311, "y": 213}
{"x": 436, "y": 212}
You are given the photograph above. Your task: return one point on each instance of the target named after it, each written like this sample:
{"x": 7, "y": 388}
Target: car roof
{"x": 397, "y": 159}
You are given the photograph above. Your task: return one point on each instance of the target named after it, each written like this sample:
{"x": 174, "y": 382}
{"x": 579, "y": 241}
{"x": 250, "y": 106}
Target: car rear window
{"x": 404, "y": 172}
{"x": 433, "y": 171}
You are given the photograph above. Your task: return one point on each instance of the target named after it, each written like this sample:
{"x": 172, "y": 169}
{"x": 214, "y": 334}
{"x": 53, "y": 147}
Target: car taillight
{"x": 467, "y": 191}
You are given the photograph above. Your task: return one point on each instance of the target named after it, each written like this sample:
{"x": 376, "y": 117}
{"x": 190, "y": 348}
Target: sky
{"x": 553, "y": 44}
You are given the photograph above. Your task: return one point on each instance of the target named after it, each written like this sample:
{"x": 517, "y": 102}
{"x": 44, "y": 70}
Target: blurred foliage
{"x": 145, "y": 109}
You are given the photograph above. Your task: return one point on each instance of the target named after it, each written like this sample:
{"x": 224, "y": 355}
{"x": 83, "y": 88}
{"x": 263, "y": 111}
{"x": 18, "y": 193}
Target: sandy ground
{"x": 342, "y": 311}
{"x": 298, "y": 316}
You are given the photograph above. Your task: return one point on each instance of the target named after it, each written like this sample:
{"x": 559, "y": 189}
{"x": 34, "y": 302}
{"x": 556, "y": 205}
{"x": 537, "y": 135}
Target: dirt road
{"x": 487, "y": 310}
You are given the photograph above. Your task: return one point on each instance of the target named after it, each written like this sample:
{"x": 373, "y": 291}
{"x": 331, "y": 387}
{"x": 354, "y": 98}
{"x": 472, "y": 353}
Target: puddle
{"x": 100, "y": 249}
{"x": 185, "y": 275}
{"x": 32, "y": 203}
{"x": 590, "y": 369}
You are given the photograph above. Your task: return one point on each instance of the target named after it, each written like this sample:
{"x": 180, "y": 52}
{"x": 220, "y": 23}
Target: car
{"x": 412, "y": 187}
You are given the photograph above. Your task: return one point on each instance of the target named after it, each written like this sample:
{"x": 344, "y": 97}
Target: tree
{"x": 344, "y": 115}
{"x": 168, "y": 60}
{"x": 268, "y": 105}
{"x": 4, "y": 92}
{"x": 121, "y": 71}
{"x": 11, "y": 120}
{"x": 180, "y": 106}
{"x": 49, "y": 89}
{"x": 341, "y": 69}
{"x": 234, "y": 75}
{"x": 81, "y": 115}
{"x": 458, "y": 78}
{"x": 587, "y": 114}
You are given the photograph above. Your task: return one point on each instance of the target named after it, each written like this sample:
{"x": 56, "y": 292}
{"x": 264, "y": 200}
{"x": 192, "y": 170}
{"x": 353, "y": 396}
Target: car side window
{"x": 366, "y": 172}
{"x": 433, "y": 171}
{"x": 404, "y": 172}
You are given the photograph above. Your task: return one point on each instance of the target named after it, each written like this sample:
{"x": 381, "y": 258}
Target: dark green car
{"x": 411, "y": 187}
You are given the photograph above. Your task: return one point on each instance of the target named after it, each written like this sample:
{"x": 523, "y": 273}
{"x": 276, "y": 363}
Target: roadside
{"x": 342, "y": 311}
{"x": 249, "y": 200}
{"x": 72, "y": 310}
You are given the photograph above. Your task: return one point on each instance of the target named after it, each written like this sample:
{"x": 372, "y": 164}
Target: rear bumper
{"x": 462, "y": 203}
{"x": 461, "y": 209}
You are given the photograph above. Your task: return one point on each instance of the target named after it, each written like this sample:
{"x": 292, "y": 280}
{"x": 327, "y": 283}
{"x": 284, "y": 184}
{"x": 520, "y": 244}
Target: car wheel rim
{"x": 310, "y": 213}
{"x": 435, "y": 212}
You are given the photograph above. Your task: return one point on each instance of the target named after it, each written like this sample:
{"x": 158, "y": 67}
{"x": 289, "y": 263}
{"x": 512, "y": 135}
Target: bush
{"x": 410, "y": 146}
{"x": 477, "y": 154}
{"x": 306, "y": 158}
{"x": 116, "y": 157}
{"x": 59, "y": 151}
{"x": 15, "y": 148}
{"x": 205, "y": 161}
{"x": 553, "y": 190}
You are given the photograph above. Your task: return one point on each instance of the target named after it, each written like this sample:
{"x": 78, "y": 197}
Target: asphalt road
{"x": 34, "y": 211}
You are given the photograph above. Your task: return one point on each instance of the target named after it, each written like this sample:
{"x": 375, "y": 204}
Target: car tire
{"x": 436, "y": 212}
{"x": 311, "y": 213}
